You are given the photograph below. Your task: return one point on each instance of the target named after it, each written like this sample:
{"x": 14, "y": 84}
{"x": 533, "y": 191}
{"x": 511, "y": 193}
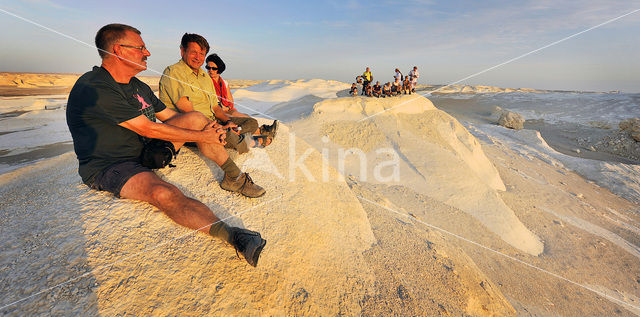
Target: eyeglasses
{"x": 142, "y": 48}
{"x": 211, "y": 68}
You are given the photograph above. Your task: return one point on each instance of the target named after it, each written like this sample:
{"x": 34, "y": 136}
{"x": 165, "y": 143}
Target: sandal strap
{"x": 264, "y": 138}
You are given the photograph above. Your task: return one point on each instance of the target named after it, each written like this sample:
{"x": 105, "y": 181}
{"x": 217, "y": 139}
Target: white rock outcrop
{"x": 436, "y": 156}
{"x": 511, "y": 120}
{"x": 632, "y": 126}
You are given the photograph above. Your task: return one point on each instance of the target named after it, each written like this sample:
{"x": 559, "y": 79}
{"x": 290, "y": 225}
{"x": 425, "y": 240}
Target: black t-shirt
{"x": 96, "y": 105}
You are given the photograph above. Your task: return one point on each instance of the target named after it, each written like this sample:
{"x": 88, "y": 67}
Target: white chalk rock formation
{"x": 511, "y": 120}
{"x": 632, "y": 126}
{"x": 285, "y": 90}
{"x": 434, "y": 153}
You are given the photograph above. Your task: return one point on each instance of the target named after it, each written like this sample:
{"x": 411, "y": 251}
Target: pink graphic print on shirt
{"x": 145, "y": 105}
{"x": 146, "y": 108}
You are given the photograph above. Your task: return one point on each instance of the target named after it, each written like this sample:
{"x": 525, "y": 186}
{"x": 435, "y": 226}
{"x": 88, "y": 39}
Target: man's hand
{"x": 215, "y": 133}
{"x": 231, "y": 125}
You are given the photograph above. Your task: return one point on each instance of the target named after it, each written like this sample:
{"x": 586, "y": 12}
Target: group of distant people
{"x": 121, "y": 131}
{"x": 400, "y": 85}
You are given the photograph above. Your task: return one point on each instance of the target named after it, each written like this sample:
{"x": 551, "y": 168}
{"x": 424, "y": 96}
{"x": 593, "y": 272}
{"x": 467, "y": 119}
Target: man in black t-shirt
{"x": 377, "y": 90}
{"x": 110, "y": 114}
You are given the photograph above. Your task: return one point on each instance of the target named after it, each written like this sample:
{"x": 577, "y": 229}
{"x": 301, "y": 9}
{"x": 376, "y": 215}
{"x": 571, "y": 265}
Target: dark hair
{"x": 218, "y": 61}
{"x": 194, "y": 38}
{"x": 109, "y": 35}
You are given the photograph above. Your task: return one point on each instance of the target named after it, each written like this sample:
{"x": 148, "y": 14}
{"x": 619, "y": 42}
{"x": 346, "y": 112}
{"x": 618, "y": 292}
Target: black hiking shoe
{"x": 247, "y": 242}
{"x": 242, "y": 184}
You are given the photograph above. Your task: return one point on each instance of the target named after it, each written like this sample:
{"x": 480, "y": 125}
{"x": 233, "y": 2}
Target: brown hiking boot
{"x": 243, "y": 184}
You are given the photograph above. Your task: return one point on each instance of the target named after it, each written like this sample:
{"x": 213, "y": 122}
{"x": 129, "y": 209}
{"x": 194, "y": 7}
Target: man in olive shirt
{"x": 111, "y": 115}
{"x": 185, "y": 86}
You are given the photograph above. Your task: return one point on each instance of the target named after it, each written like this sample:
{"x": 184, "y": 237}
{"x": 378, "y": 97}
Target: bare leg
{"x": 236, "y": 113}
{"x": 187, "y": 212}
{"x": 197, "y": 121}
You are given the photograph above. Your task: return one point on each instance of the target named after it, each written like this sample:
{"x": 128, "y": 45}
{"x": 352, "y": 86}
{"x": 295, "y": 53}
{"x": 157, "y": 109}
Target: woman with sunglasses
{"x": 249, "y": 126}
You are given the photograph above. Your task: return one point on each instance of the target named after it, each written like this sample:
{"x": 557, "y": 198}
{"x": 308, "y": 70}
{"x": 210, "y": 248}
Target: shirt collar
{"x": 201, "y": 72}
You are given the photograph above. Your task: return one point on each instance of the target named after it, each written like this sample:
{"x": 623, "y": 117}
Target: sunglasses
{"x": 211, "y": 68}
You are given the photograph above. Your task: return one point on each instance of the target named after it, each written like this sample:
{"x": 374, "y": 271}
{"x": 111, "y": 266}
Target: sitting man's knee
{"x": 252, "y": 125}
{"x": 198, "y": 119}
{"x": 193, "y": 120}
{"x": 163, "y": 193}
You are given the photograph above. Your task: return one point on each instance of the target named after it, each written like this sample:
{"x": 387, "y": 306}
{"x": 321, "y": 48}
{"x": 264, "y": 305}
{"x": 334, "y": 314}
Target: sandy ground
{"x": 31, "y": 84}
{"x": 472, "y": 227}
{"x": 141, "y": 263}
{"x": 562, "y": 137}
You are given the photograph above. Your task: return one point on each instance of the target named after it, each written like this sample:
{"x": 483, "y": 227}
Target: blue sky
{"x": 447, "y": 40}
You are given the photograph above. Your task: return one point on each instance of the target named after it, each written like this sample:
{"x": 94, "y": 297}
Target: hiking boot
{"x": 242, "y": 184}
{"x": 270, "y": 130}
{"x": 247, "y": 242}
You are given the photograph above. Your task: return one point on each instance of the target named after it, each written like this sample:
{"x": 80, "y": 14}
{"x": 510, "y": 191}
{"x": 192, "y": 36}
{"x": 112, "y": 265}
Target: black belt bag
{"x": 157, "y": 154}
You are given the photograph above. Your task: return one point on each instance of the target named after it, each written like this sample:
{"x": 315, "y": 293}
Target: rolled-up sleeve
{"x": 170, "y": 88}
